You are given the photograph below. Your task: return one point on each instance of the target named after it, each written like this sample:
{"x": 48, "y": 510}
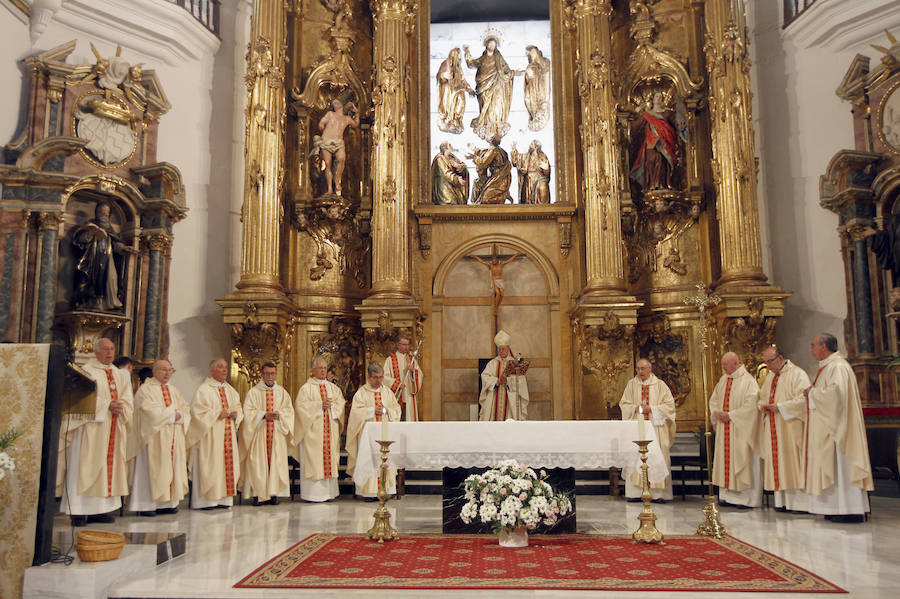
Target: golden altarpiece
{"x": 601, "y": 274}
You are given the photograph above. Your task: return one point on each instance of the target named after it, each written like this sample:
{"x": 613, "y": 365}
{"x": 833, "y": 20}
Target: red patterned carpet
{"x": 571, "y": 562}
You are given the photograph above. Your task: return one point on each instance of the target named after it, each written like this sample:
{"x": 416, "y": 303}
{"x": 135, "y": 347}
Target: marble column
{"x": 158, "y": 244}
{"x": 733, "y": 147}
{"x": 603, "y": 177}
{"x": 394, "y": 23}
{"x": 48, "y": 231}
{"x": 262, "y": 211}
{"x": 862, "y": 298}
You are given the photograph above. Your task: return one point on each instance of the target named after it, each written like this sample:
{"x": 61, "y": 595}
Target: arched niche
{"x": 466, "y": 324}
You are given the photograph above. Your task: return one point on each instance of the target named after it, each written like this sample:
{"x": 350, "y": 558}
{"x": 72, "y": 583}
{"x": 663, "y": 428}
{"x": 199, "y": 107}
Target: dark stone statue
{"x": 100, "y": 266}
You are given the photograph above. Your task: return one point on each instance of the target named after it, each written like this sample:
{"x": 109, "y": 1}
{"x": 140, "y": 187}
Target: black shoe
{"x": 273, "y": 501}
{"x": 147, "y": 514}
{"x": 741, "y": 507}
{"x": 781, "y": 509}
{"x": 167, "y": 510}
{"x": 208, "y": 508}
{"x": 847, "y": 518}
{"x": 78, "y": 520}
{"x": 101, "y": 518}
{"x": 633, "y": 499}
{"x": 660, "y": 500}
{"x": 222, "y": 507}
{"x": 256, "y": 502}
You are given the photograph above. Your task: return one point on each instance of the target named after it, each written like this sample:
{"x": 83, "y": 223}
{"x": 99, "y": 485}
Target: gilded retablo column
{"x": 602, "y": 165}
{"x": 394, "y": 23}
{"x": 261, "y": 212}
{"x": 734, "y": 163}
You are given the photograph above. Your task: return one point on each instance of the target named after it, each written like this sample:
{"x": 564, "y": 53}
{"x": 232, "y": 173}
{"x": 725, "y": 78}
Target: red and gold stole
{"x": 229, "y": 455}
{"x": 111, "y": 446}
{"x": 645, "y": 401}
{"x": 270, "y": 424}
{"x": 773, "y": 433}
{"x": 727, "y": 442}
{"x": 326, "y": 435}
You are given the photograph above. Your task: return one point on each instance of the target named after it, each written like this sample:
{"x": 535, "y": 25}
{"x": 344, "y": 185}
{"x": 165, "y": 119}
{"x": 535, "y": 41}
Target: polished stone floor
{"x": 224, "y": 546}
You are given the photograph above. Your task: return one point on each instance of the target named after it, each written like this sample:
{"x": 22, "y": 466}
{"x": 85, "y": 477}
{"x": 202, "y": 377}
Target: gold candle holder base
{"x": 382, "y": 530}
{"x": 647, "y": 532}
{"x": 711, "y": 526}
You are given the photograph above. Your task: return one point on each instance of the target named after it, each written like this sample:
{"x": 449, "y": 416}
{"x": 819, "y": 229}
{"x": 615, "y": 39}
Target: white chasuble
{"x": 500, "y": 401}
{"x": 161, "y": 474}
{"x": 213, "y": 443}
{"x": 736, "y": 466}
{"x": 92, "y": 473}
{"x": 368, "y": 406}
{"x": 318, "y": 430}
{"x": 657, "y": 405}
{"x": 838, "y": 472}
{"x": 395, "y": 373}
{"x": 264, "y": 443}
{"x": 782, "y": 432}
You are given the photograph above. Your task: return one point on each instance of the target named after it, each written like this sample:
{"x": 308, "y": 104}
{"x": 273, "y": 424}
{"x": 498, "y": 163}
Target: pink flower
{"x": 522, "y": 496}
{"x": 503, "y": 490}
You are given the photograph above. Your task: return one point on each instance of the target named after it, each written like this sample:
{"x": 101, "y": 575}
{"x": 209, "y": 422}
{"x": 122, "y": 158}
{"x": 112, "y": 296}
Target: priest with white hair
{"x": 783, "y": 408}
{"x": 373, "y": 402}
{"x": 161, "y": 417}
{"x": 647, "y": 397}
{"x": 92, "y": 474}
{"x": 504, "y": 394}
{"x": 733, "y": 409}
{"x": 265, "y": 435}
{"x": 212, "y": 440}
{"x": 838, "y": 471}
{"x": 318, "y": 418}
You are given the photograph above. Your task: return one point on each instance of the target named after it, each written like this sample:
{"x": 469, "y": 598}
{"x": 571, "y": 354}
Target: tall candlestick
{"x": 384, "y": 428}
{"x": 642, "y": 433}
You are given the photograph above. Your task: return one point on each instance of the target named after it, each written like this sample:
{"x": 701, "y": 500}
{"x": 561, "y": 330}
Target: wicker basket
{"x": 99, "y": 545}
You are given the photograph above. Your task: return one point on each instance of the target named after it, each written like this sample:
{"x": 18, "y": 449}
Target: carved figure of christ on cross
{"x": 495, "y": 264}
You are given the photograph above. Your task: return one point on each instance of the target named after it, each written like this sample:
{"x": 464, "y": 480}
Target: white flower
{"x": 469, "y": 512}
{"x": 488, "y": 512}
{"x": 7, "y": 462}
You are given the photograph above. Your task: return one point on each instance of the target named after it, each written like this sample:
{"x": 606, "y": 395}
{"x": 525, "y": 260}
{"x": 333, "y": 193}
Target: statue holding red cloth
{"x": 655, "y": 144}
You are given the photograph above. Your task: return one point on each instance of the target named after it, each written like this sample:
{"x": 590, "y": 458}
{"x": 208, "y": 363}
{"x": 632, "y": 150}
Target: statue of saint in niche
{"x": 537, "y": 88}
{"x": 494, "y": 174}
{"x": 656, "y": 138}
{"x": 99, "y": 282}
{"x": 452, "y": 89}
{"x": 493, "y": 86}
{"x": 450, "y": 178}
{"x": 534, "y": 174}
{"x": 329, "y": 146}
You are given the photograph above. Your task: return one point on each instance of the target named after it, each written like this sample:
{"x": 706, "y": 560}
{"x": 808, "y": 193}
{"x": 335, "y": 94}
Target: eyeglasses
{"x": 168, "y": 370}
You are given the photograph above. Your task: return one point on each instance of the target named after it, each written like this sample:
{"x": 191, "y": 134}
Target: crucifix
{"x": 495, "y": 264}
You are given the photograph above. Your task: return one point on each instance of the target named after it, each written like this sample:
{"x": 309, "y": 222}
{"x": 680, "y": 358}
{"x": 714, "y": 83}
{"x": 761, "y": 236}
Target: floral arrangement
{"x": 512, "y": 495}
{"x": 7, "y": 463}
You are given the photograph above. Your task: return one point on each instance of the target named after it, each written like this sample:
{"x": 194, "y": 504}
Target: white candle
{"x": 642, "y": 433}
{"x": 384, "y": 430}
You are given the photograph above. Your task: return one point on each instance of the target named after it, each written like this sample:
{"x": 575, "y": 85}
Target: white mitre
{"x": 502, "y": 338}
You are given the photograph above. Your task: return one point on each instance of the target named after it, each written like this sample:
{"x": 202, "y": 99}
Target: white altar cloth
{"x": 579, "y": 444}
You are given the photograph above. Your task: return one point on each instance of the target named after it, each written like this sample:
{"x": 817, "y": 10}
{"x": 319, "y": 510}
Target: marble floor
{"x": 224, "y": 546}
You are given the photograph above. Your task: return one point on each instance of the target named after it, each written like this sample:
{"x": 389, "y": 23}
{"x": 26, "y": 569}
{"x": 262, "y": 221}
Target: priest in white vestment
{"x": 318, "y": 417}
{"x": 838, "y": 472}
{"x": 783, "y": 409}
{"x": 157, "y": 445}
{"x": 212, "y": 440}
{"x": 267, "y": 430}
{"x": 92, "y": 473}
{"x": 733, "y": 409}
{"x": 650, "y": 398}
{"x": 373, "y": 402}
{"x": 404, "y": 378}
{"x": 502, "y": 396}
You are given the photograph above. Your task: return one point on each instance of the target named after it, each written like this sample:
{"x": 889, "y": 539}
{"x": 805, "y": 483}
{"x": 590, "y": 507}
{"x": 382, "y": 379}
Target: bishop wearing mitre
{"x": 502, "y": 396}
{"x": 404, "y": 378}
{"x": 318, "y": 417}
{"x": 92, "y": 475}
{"x": 212, "y": 439}
{"x": 373, "y": 402}
{"x": 650, "y": 398}
{"x": 264, "y": 436}
{"x": 161, "y": 417}
{"x": 783, "y": 410}
{"x": 736, "y": 467}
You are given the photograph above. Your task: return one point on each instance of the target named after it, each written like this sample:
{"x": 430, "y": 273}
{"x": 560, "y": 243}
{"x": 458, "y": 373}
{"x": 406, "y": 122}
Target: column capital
{"x": 49, "y": 220}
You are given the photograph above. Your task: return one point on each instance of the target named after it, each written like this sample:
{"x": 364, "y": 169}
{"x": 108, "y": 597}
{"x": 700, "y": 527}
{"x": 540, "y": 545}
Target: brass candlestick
{"x": 382, "y": 530}
{"x": 647, "y": 532}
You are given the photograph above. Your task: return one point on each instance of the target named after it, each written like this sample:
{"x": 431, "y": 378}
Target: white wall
{"x": 197, "y": 74}
{"x": 801, "y": 124}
